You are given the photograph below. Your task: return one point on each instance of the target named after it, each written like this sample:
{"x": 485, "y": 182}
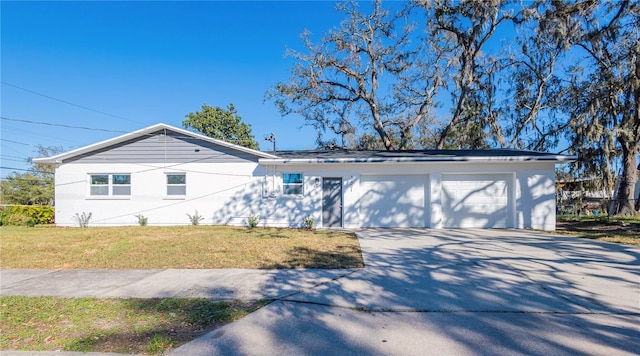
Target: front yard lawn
{"x": 623, "y": 230}
{"x": 159, "y": 247}
{"x": 128, "y": 326}
{"x": 149, "y": 326}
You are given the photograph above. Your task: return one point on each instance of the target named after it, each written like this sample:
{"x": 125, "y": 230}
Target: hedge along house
{"x": 164, "y": 173}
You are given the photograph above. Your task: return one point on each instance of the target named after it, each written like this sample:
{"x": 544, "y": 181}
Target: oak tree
{"x": 363, "y": 77}
{"x": 222, "y": 124}
{"x": 601, "y": 91}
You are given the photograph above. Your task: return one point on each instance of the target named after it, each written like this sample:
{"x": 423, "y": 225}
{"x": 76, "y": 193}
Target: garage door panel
{"x": 480, "y": 201}
{"x": 392, "y": 201}
{"x": 479, "y": 221}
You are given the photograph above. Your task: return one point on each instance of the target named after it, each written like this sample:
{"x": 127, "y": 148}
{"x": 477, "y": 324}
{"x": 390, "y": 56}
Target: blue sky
{"x": 135, "y": 64}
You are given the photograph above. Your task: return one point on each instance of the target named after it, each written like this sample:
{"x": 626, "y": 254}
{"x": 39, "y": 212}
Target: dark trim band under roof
{"x": 380, "y": 156}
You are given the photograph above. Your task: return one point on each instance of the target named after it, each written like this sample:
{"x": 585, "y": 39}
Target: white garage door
{"x": 392, "y": 201}
{"x": 480, "y": 200}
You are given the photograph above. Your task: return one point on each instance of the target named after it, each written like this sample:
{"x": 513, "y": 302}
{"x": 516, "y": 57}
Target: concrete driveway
{"x": 435, "y": 292}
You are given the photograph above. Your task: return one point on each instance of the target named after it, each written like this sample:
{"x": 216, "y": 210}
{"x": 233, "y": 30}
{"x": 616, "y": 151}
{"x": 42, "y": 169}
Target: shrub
{"x": 309, "y": 222}
{"x": 18, "y": 220}
{"x": 83, "y": 219}
{"x": 253, "y": 220}
{"x": 195, "y": 218}
{"x": 142, "y": 220}
{"x": 29, "y": 215}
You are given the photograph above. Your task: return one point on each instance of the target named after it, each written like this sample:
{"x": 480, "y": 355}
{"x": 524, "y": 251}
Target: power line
{"x": 60, "y": 125}
{"x": 24, "y": 160}
{"x": 20, "y": 132}
{"x": 12, "y": 156}
{"x": 15, "y": 169}
{"x": 181, "y": 201}
{"x": 67, "y": 102}
{"x": 14, "y": 150}
{"x": 25, "y": 170}
{"x": 20, "y": 143}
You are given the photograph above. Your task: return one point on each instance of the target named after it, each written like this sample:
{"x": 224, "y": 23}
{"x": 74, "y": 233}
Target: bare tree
{"x": 534, "y": 82}
{"x": 363, "y": 76}
{"x": 373, "y": 81}
{"x": 460, "y": 31}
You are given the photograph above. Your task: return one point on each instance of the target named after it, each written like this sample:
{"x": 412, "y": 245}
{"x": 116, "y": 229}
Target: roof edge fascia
{"x": 57, "y": 159}
{"x": 463, "y": 159}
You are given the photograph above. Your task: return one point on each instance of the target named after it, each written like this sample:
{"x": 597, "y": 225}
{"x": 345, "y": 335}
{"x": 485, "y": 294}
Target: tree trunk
{"x": 627, "y": 189}
{"x": 454, "y": 120}
{"x": 377, "y": 125}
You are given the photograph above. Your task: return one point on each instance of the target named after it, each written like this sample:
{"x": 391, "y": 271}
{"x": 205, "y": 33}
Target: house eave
{"x": 46, "y": 160}
{"x": 462, "y": 159}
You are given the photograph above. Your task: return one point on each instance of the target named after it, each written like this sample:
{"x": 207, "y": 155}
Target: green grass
{"x": 600, "y": 218}
{"x": 154, "y": 247}
{"x": 622, "y": 230}
{"x": 149, "y": 326}
{"x": 152, "y": 326}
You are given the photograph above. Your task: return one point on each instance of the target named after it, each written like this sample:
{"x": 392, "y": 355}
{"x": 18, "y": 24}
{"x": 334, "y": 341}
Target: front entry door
{"x": 331, "y": 202}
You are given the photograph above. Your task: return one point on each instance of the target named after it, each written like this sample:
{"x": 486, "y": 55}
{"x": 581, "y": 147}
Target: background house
{"x": 165, "y": 173}
{"x": 580, "y": 196}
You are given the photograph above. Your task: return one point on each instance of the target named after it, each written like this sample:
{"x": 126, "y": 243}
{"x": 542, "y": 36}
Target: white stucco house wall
{"x": 165, "y": 173}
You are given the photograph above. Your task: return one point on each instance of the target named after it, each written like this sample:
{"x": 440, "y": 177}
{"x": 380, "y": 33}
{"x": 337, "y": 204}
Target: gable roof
{"x": 327, "y": 156}
{"x": 381, "y": 156}
{"x": 141, "y": 133}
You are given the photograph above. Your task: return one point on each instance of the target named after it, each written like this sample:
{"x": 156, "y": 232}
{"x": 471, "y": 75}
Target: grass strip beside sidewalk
{"x": 141, "y": 326}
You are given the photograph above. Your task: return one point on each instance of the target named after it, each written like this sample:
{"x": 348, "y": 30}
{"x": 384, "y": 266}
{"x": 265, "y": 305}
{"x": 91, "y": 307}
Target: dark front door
{"x": 331, "y": 202}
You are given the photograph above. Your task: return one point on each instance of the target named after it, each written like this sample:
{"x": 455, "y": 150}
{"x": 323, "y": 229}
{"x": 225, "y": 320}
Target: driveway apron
{"x": 454, "y": 292}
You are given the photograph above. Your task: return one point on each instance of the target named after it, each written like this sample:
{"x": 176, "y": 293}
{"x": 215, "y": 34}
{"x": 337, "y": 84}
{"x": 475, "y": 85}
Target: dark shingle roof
{"x": 383, "y": 156}
{"x": 372, "y": 156}
{"x": 344, "y": 153}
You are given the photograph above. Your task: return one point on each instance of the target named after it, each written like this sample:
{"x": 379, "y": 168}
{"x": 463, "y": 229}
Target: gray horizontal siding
{"x": 158, "y": 148}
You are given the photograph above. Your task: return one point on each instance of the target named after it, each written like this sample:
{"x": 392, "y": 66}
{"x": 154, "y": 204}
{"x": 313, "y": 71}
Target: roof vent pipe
{"x": 271, "y": 138}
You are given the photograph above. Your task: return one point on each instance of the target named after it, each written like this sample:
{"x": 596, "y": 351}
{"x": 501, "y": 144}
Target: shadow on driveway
{"x": 455, "y": 292}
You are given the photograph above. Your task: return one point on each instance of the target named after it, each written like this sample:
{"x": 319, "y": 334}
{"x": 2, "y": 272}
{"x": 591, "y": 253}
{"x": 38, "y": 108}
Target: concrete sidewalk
{"x": 225, "y": 284}
{"x": 219, "y": 284}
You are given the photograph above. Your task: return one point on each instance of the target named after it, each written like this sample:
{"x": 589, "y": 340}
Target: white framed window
{"x": 110, "y": 185}
{"x": 292, "y": 183}
{"x": 176, "y": 184}
{"x": 121, "y": 184}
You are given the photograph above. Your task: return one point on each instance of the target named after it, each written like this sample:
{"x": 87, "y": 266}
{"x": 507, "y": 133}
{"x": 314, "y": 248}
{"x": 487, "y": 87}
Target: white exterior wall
{"x": 535, "y": 192}
{"x": 228, "y": 193}
{"x": 532, "y": 190}
{"x": 221, "y": 193}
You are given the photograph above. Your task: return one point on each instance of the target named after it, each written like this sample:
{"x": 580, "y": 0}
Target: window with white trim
{"x": 106, "y": 185}
{"x": 176, "y": 184}
{"x": 292, "y": 183}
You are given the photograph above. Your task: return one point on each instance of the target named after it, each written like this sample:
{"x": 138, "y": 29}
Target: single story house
{"x": 164, "y": 173}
